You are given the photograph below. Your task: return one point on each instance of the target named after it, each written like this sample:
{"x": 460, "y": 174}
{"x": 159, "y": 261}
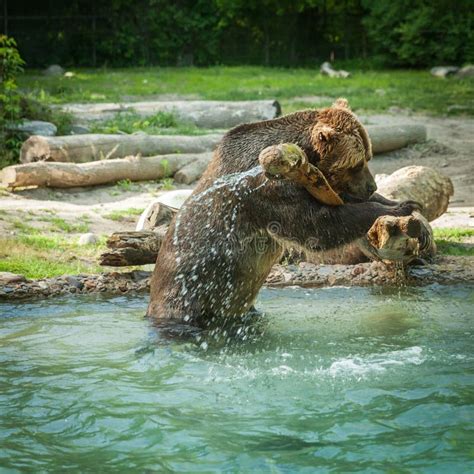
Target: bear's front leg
{"x": 290, "y": 214}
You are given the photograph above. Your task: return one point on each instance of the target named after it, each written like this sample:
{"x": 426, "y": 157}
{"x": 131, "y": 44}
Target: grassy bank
{"x": 41, "y": 256}
{"x": 366, "y": 90}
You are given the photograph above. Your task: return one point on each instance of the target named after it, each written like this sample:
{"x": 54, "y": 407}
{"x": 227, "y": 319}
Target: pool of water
{"x": 330, "y": 380}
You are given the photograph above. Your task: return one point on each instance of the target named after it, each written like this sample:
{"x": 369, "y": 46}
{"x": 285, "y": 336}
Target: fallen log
{"x": 202, "y": 113}
{"x": 387, "y": 138}
{"x": 193, "y": 171}
{"x": 155, "y": 215}
{"x": 132, "y": 248}
{"x": 419, "y": 183}
{"x": 67, "y": 175}
{"x": 400, "y": 239}
{"x": 92, "y": 147}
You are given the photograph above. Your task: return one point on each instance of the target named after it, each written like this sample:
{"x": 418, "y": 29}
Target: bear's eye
{"x": 357, "y": 167}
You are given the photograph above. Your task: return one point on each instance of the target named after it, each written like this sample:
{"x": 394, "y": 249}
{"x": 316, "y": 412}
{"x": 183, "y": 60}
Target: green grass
{"x": 167, "y": 184}
{"x": 40, "y": 256}
{"x": 451, "y": 241}
{"x": 159, "y": 124}
{"x": 125, "y": 184}
{"x": 125, "y": 214}
{"x": 366, "y": 90}
{"x": 453, "y": 234}
{"x": 59, "y": 224}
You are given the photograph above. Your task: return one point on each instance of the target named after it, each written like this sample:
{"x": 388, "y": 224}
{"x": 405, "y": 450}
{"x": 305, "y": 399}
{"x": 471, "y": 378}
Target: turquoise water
{"x": 331, "y": 380}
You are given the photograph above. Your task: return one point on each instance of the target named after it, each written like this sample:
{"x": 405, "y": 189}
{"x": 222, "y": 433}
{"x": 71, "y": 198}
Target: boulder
{"x": 444, "y": 71}
{"x": 327, "y": 70}
{"x": 88, "y": 239}
{"x": 35, "y": 127}
{"x": 466, "y": 71}
{"x": 78, "y": 129}
{"x": 7, "y": 277}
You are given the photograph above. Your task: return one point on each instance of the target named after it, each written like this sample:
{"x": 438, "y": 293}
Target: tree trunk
{"x": 202, "y": 113}
{"x": 92, "y": 147}
{"x": 67, "y": 175}
{"x": 419, "y": 183}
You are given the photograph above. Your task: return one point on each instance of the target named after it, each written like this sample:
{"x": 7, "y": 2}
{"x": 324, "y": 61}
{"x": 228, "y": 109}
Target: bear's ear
{"x": 342, "y": 103}
{"x": 324, "y": 133}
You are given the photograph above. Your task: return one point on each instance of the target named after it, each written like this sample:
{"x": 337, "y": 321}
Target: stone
{"x": 73, "y": 281}
{"x": 466, "y": 71}
{"x": 7, "y": 277}
{"x": 34, "y": 127}
{"x": 54, "y": 70}
{"x": 325, "y": 270}
{"x": 326, "y": 69}
{"x": 88, "y": 239}
{"x": 444, "y": 71}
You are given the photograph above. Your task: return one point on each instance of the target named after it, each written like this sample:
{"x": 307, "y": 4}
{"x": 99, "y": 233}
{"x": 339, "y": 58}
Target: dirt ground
{"x": 450, "y": 148}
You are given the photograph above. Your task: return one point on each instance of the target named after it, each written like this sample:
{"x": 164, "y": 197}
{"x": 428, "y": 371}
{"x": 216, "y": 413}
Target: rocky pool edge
{"x": 444, "y": 270}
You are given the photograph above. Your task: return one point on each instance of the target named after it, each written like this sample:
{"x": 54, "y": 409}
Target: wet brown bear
{"x": 221, "y": 246}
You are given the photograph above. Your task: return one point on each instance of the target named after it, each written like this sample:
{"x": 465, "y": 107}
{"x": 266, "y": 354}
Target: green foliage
{"x": 125, "y": 184}
{"x": 420, "y": 33}
{"x": 14, "y": 106}
{"x": 269, "y": 32}
{"x": 11, "y": 65}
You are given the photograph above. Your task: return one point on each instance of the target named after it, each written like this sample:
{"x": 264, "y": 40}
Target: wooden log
{"x": 132, "y": 248}
{"x": 202, "y": 113}
{"x": 290, "y": 162}
{"x": 92, "y": 147}
{"x": 67, "y": 175}
{"x": 387, "y": 138}
{"x": 418, "y": 183}
{"x": 400, "y": 239}
{"x": 193, "y": 171}
{"x": 155, "y": 215}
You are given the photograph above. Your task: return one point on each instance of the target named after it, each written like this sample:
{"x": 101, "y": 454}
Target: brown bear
{"x": 222, "y": 244}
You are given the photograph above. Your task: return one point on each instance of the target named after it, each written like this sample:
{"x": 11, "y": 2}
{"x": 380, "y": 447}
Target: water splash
{"x": 210, "y": 270}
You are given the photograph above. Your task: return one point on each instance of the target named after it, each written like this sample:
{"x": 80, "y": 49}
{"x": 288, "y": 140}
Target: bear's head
{"x": 344, "y": 150}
